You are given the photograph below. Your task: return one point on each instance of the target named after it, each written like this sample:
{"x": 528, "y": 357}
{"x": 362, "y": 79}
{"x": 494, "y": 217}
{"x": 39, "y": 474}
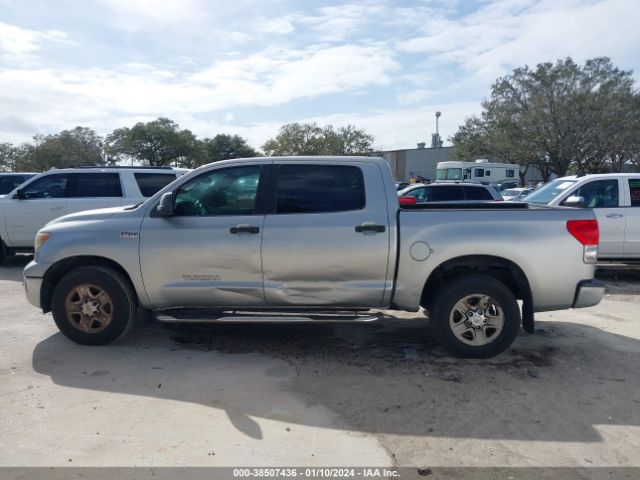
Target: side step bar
{"x": 209, "y": 316}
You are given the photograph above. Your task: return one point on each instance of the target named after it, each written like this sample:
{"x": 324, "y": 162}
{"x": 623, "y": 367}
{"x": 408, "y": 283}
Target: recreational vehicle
{"x": 480, "y": 171}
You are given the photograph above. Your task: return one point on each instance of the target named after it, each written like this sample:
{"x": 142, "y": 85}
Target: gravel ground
{"x": 366, "y": 394}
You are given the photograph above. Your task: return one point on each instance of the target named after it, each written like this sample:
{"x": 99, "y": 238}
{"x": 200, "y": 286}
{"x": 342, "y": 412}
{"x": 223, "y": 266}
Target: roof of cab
{"x": 303, "y": 158}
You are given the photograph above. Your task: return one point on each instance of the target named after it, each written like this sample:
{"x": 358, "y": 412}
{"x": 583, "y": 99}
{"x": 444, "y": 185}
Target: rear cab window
{"x": 151, "y": 183}
{"x": 319, "y": 189}
{"x": 95, "y": 185}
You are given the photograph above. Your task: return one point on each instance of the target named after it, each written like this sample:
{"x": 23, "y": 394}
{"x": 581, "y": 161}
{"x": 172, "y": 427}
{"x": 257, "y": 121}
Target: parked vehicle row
{"x": 27, "y": 208}
{"x": 312, "y": 238}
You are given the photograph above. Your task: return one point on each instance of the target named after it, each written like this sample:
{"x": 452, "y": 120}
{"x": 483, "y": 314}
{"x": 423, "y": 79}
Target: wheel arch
{"x": 59, "y": 269}
{"x": 502, "y": 269}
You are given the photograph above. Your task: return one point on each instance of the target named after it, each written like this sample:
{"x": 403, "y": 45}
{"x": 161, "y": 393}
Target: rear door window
{"x": 319, "y": 188}
{"x": 447, "y": 193}
{"x": 151, "y": 183}
{"x": 477, "y": 193}
{"x": 96, "y": 185}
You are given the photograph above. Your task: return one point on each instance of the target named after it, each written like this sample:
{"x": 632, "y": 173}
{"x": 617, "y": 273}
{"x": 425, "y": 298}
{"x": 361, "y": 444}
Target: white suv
{"x": 26, "y": 209}
{"x": 615, "y": 199}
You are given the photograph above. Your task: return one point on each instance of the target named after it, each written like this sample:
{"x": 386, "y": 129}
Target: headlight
{"x": 41, "y": 239}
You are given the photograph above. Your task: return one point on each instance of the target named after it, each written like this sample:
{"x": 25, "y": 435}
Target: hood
{"x": 89, "y": 215}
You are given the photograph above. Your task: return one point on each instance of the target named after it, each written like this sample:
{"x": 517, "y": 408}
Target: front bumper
{"x": 32, "y": 286}
{"x": 588, "y": 293}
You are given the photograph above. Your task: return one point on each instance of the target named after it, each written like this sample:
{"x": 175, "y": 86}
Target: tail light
{"x": 588, "y": 234}
{"x": 407, "y": 200}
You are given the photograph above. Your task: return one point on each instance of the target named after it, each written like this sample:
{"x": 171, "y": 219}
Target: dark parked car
{"x": 450, "y": 192}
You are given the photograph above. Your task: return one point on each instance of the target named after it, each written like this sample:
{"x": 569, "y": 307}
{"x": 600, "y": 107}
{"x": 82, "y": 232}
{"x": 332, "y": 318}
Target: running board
{"x": 192, "y": 316}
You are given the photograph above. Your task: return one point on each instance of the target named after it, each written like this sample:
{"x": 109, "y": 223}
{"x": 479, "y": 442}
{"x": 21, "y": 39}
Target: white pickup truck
{"x": 615, "y": 199}
{"x": 312, "y": 239}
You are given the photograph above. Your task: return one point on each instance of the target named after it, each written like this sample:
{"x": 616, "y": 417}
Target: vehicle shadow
{"x": 560, "y": 384}
{"x": 12, "y": 266}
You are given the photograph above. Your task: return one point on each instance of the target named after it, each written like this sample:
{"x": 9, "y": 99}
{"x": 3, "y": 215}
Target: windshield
{"x": 510, "y": 193}
{"x": 449, "y": 174}
{"x": 548, "y": 192}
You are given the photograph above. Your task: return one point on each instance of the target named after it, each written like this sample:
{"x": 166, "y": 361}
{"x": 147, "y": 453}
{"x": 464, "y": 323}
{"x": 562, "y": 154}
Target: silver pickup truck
{"x": 312, "y": 239}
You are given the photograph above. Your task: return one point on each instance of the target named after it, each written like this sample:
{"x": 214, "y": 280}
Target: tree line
{"x": 560, "y": 118}
{"x": 162, "y": 142}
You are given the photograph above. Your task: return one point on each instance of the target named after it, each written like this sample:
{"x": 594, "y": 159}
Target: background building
{"x": 421, "y": 161}
{"x": 417, "y": 161}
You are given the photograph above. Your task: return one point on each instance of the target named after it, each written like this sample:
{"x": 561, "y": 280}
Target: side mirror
{"x": 165, "y": 207}
{"x": 20, "y": 195}
{"x": 574, "y": 201}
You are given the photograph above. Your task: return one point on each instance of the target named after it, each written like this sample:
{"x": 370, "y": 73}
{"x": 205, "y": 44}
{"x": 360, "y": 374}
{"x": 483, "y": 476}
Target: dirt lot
{"x": 373, "y": 394}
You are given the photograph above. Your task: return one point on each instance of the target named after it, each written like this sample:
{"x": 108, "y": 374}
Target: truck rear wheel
{"x": 93, "y": 305}
{"x": 475, "y": 316}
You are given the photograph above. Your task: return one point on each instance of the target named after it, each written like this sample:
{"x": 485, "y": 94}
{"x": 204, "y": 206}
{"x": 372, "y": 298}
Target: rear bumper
{"x": 588, "y": 293}
{"x": 32, "y": 286}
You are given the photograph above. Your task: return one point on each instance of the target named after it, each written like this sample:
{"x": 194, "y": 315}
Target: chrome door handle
{"x": 55, "y": 208}
{"x": 370, "y": 227}
{"x": 615, "y": 215}
{"x": 244, "y": 229}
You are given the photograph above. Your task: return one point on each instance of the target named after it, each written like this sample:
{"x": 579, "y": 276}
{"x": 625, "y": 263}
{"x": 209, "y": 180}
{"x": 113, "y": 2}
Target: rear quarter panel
{"x": 536, "y": 240}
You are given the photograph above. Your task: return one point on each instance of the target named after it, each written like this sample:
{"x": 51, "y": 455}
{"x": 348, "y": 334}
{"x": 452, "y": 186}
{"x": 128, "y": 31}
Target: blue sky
{"x": 249, "y": 66}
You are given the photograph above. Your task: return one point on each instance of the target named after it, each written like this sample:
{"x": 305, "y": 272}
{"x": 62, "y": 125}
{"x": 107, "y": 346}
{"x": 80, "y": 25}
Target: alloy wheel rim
{"x": 476, "y": 319}
{"x": 89, "y": 308}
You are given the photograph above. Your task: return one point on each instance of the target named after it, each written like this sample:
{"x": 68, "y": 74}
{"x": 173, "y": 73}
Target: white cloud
{"x": 278, "y": 25}
{"x": 507, "y": 33}
{"x": 54, "y": 98}
{"x": 339, "y": 22}
{"x": 135, "y": 15}
{"x": 275, "y": 77}
{"x": 19, "y": 44}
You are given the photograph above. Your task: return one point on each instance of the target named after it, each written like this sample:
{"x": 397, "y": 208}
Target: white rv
{"x": 480, "y": 171}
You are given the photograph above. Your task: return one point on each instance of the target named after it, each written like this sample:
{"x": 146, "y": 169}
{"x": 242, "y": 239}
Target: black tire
{"x": 123, "y": 306}
{"x": 458, "y": 288}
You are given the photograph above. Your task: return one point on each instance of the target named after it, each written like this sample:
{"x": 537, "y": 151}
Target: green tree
{"x": 558, "y": 117}
{"x": 68, "y": 148}
{"x": 156, "y": 143}
{"x": 224, "y": 147}
{"x": 8, "y": 156}
{"x": 312, "y": 139}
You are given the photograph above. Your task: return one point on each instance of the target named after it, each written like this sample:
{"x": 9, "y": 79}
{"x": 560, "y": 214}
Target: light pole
{"x": 437, "y": 136}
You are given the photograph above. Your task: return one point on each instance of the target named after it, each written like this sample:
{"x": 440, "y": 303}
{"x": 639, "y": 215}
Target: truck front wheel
{"x": 93, "y": 305}
{"x": 475, "y": 316}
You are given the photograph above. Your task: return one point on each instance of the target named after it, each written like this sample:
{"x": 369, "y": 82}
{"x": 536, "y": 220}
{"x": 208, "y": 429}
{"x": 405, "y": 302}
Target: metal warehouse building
{"x": 419, "y": 161}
